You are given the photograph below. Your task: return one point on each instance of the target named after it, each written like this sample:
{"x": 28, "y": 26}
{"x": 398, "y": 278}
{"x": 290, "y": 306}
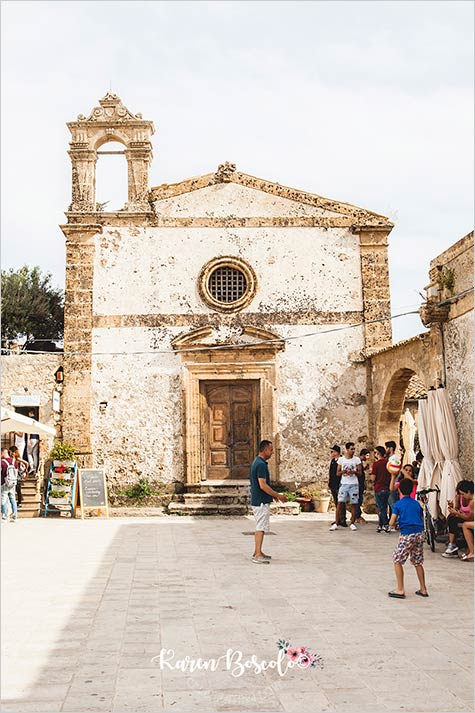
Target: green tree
{"x": 31, "y": 306}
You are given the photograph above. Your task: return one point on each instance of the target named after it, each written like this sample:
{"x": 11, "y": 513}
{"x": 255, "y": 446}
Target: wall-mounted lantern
{"x": 59, "y": 375}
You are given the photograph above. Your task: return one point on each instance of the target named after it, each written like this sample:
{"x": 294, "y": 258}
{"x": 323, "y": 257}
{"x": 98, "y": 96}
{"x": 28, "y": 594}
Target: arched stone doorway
{"x": 404, "y": 389}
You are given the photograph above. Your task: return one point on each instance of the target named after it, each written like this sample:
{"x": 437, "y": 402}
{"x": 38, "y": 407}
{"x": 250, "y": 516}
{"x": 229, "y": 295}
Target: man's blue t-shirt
{"x": 259, "y": 469}
{"x": 410, "y": 515}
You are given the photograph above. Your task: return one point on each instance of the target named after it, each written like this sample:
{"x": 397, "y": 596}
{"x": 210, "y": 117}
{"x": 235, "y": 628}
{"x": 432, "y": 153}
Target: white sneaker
{"x": 334, "y": 526}
{"x": 353, "y": 526}
{"x": 451, "y": 549}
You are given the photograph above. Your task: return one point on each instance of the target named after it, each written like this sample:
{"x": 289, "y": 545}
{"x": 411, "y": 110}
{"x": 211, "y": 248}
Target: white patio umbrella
{"x": 448, "y": 441}
{"x": 12, "y": 421}
{"x": 427, "y": 464}
{"x": 434, "y": 426}
{"x": 408, "y": 436}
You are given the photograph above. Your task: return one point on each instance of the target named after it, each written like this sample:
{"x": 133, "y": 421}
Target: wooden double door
{"x": 230, "y": 427}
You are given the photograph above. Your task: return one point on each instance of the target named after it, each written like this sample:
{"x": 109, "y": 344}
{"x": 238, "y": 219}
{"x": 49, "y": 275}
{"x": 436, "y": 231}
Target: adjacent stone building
{"x": 211, "y": 313}
{"x": 441, "y": 356}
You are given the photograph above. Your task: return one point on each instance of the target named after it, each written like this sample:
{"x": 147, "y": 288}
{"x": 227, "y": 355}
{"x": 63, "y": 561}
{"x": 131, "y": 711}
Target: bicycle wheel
{"x": 430, "y": 530}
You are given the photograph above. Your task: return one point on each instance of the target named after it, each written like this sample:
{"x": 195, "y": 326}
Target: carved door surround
{"x": 253, "y": 359}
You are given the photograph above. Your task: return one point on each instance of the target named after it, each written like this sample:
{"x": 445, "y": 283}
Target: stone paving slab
{"x": 88, "y": 605}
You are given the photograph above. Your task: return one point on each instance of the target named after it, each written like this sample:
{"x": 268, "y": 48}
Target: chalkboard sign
{"x": 93, "y": 490}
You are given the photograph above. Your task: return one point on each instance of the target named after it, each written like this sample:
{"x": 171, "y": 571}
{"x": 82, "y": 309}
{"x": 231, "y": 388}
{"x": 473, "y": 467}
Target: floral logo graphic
{"x": 300, "y": 655}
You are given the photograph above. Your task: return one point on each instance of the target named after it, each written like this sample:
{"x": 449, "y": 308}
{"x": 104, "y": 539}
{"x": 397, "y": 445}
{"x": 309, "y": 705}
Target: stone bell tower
{"x": 111, "y": 121}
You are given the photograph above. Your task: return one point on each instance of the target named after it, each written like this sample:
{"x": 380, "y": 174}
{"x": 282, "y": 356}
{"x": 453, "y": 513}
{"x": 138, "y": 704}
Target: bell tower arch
{"x": 111, "y": 121}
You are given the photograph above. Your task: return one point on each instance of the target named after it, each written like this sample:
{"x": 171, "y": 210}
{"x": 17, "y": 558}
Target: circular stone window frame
{"x": 237, "y": 264}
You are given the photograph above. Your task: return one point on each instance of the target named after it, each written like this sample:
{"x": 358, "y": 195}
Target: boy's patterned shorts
{"x": 410, "y": 546}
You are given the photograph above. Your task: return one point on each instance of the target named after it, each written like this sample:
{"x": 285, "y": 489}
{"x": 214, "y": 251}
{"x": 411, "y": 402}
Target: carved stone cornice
{"x": 359, "y": 217}
{"x": 206, "y": 320}
{"x": 121, "y": 218}
{"x": 81, "y": 232}
{"x": 373, "y": 236}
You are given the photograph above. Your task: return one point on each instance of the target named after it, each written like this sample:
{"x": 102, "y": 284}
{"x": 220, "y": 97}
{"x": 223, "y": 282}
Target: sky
{"x": 369, "y": 103}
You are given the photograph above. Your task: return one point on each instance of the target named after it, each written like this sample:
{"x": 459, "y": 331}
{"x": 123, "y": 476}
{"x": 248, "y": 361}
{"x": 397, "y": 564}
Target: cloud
{"x": 369, "y": 103}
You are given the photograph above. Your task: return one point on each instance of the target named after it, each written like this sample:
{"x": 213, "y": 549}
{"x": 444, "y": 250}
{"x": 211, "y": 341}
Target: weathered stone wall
{"x": 458, "y": 339}
{"x": 146, "y": 294}
{"x": 304, "y": 274}
{"x": 32, "y": 375}
{"x": 140, "y": 431}
{"x": 321, "y": 401}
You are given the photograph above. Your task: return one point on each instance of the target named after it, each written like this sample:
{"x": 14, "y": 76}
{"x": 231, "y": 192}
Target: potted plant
{"x": 321, "y": 499}
{"x": 63, "y": 456}
{"x": 304, "y": 499}
{"x": 59, "y": 497}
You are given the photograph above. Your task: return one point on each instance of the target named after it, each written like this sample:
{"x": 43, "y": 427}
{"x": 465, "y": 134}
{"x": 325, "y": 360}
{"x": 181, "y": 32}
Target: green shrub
{"x": 447, "y": 278}
{"x": 63, "y": 451}
{"x": 140, "y": 490}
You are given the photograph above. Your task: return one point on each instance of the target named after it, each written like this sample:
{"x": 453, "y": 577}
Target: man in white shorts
{"x": 349, "y": 467}
{"x": 261, "y": 497}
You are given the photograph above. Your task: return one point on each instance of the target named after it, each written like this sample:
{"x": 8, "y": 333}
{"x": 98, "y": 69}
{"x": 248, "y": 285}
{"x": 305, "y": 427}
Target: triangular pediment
{"x": 229, "y": 193}
{"x": 227, "y": 337}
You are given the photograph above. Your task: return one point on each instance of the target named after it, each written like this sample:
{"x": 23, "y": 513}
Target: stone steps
{"x": 31, "y": 498}
{"x": 219, "y": 486}
{"x": 227, "y": 497}
{"x": 29, "y": 509}
{"x": 222, "y": 497}
{"x": 205, "y": 508}
{"x": 215, "y": 497}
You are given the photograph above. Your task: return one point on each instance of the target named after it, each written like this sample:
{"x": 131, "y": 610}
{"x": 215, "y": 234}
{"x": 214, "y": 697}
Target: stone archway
{"x": 403, "y": 391}
{"x": 391, "y": 372}
{"x": 392, "y": 405}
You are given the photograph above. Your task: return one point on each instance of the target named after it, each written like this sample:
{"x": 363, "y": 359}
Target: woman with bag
{"x": 22, "y": 467}
{"x": 9, "y": 480}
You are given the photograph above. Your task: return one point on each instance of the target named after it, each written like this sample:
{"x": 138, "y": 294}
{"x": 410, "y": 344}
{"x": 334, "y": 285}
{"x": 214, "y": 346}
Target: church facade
{"x": 212, "y": 313}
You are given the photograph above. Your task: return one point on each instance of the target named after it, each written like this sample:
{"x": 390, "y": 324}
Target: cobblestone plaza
{"x": 89, "y": 606}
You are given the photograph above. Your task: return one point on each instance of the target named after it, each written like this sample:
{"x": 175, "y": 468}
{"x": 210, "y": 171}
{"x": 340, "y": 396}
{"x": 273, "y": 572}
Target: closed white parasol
{"x": 448, "y": 443}
{"x": 408, "y": 436}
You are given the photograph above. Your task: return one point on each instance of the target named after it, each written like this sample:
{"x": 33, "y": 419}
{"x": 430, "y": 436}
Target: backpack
{"x": 11, "y": 476}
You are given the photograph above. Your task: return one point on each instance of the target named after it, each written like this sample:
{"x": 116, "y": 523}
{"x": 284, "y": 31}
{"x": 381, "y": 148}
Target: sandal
{"x": 421, "y": 594}
{"x": 395, "y": 595}
{"x": 466, "y": 558}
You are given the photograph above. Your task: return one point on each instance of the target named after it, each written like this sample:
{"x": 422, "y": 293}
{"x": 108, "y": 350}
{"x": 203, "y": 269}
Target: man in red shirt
{"x": 381, "y": 479}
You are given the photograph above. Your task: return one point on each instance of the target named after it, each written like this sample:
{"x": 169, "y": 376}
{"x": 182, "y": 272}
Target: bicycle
{"x": 429, "y": 529}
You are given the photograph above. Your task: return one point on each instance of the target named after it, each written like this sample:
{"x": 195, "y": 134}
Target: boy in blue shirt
{"x": 411, "y": 539}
